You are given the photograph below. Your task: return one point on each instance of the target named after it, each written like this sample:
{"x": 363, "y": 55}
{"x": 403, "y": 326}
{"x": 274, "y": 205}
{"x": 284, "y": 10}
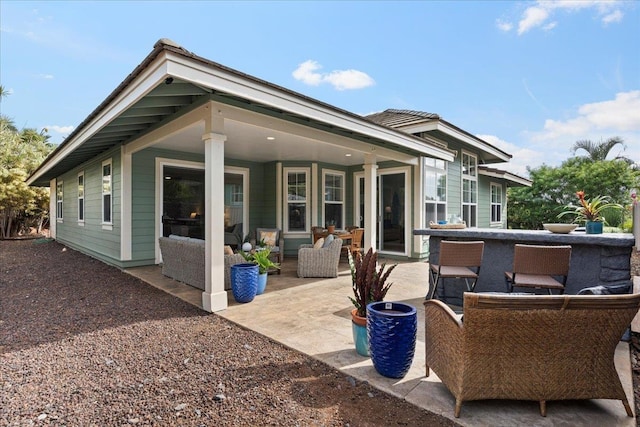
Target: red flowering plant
{"x": 590, "y": 209}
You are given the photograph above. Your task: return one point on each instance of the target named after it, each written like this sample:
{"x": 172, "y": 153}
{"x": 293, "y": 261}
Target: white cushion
{"x": 318, "y": 244}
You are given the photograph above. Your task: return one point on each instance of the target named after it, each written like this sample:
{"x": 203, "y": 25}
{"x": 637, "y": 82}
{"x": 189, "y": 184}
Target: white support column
{"x": 126, "y": 204}
{"x": 53, "y": 220}
{"x": 214, "y": 297}
{"x": 370, "y": 212}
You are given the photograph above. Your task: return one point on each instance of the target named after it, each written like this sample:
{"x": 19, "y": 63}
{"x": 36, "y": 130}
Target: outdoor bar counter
{"x": 596, "y": 259}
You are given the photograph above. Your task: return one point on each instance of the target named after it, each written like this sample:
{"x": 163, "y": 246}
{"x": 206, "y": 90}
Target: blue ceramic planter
{"x": 360, "y": 339}
{"x": 244, "y": 282}
{"x": 262, "y": 283}
{"x": 593, "y": 227}
{"x": 392, "y": 329}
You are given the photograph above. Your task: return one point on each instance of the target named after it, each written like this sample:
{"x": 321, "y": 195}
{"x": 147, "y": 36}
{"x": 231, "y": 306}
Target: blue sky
{"x": 529, "y": 77}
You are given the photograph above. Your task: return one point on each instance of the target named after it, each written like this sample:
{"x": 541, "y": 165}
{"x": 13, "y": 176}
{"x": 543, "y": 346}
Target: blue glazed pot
{"x": 593, "y": 227}
{"x": 392, "y": 328}
{"x": 244, "y": 282}
{"x": 262, "y": 283}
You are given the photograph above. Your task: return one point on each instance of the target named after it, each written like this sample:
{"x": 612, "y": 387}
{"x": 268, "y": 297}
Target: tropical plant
{"x": 598, "y": 151}
{"x": 590, "y": 209}
{"x": 368, "y": 280}
{"x": 261, "y": 257}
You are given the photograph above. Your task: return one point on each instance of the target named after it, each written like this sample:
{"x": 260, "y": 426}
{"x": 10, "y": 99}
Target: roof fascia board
{"x": 505, "y": 175}
{"x": 450, "y": 130}
{"x": 224, "y": 81}
{"x": 132, "y": 93}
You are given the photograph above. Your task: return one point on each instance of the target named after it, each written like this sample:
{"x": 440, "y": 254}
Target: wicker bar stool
{"x": 537, "y": 266}
{"x": 459, "y": 260}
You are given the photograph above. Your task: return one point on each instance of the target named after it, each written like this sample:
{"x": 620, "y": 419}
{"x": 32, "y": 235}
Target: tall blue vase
{"x": 244, "y": 282}
{"x": 392, "y": 328}
{"x": 593, "y": 227}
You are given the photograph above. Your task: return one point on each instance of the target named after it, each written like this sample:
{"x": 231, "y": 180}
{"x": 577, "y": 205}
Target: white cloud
{"x": 537, "y": 16}
{"x": 521, "y": 156}
{"x": 45, "y": 76}
{"x": 504, "y": 25}
{"x": 339, "y": 79}
{"x": 615, "y": 16}
{"x": 595, "y": 121}
{"x": 533, "y": 17}
{"x": 61, "y": 130}
{"x": 306, "y": 73}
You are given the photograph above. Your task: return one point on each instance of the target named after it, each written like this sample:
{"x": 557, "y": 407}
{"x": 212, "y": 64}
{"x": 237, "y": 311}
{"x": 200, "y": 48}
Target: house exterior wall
{"x": 92, "y": 237}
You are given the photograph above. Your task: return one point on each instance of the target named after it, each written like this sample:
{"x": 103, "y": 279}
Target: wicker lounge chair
{"x": 529, "y": 347}
{"x": 320, "y": 262}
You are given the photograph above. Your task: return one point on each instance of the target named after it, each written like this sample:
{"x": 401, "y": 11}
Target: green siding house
{"x": 187, "y": 146}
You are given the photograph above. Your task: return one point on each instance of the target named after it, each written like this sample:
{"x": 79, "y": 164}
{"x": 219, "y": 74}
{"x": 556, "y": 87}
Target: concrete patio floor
{"x": 313, "y": 316}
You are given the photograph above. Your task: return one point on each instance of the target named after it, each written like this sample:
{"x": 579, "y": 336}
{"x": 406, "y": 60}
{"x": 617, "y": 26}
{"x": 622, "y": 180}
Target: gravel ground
{"x": 82, "y": 343}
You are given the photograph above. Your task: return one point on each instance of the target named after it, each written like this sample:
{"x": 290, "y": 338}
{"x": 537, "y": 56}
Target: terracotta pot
{"x": 360, "y": 321}
{"x": 331, "y": 229}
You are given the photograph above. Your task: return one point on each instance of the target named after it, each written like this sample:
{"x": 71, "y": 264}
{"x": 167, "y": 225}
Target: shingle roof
{"x": 396, "y": 118}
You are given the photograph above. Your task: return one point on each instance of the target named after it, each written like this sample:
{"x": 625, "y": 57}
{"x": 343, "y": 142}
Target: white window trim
{"x": 491, "y": 203}
{"x": 424, "y": 195}
{"x": 106, "y": 225}
{"x": 285, "y": 199}
{"x": 84, "y": 210}
{"x": 326, "y": 172}
{"x": 468, "y": 178}
{"x": 60, "y": 201}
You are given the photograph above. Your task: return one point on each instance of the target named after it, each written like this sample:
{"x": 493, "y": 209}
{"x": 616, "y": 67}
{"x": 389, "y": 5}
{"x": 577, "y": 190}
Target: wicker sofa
{"x": 183, "y": 260}
{"x": 529, "y": 347}
{"x": 320, "y": 262}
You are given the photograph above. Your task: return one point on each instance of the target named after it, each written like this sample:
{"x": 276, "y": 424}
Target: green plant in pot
{"x": 590, "y": 211}
{"x": 369, "y": 284}
{"x": 261, "y": 257}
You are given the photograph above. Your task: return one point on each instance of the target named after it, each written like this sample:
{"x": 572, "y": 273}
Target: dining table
{"x": 340, "y": 234}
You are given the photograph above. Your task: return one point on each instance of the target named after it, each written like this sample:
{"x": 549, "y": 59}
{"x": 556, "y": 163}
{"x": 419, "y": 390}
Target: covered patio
{"x": 313, "y": 317}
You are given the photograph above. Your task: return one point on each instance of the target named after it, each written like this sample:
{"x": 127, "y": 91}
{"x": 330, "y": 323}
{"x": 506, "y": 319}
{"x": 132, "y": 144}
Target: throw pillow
{"x": 269, "y": 238}
{"x": 228, "y": 250}
{"x": 328, "y": 240}
{"x": 318, "y": 244}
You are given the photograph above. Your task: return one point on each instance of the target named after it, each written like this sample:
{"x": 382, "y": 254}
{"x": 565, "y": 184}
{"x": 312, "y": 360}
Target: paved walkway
{"x": 313, "y": 317}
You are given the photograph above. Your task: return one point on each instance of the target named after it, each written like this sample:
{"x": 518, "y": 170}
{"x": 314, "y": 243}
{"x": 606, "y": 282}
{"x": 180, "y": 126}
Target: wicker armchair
{"x": 529, "y": 347}
{"x": 321, "y": 262}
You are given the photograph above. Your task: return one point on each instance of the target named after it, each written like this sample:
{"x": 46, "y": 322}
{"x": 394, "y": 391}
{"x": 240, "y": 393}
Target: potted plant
{"x": 261, "y": 256}
{"x": 590, "y": 211}
{"x": 331, "y": 226}
{"x": 369, "y": 284}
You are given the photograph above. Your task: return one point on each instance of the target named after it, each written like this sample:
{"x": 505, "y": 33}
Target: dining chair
{"x": 457, "y": 260}
{"x": 538, "y": 267}
{"x": 355, "y": 244}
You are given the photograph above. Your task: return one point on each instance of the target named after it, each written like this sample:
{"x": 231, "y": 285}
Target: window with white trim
{"x": 297, "y": 208}
{"x": 496, "y": 203}
{"x": 470, "y": 189}
{"x": 333, "y": 198}
{"x": 59, "y": 200}
{"x": 107, "y": 201}
{"x": 435, "y": 190}
{"x": 81, "y": 196}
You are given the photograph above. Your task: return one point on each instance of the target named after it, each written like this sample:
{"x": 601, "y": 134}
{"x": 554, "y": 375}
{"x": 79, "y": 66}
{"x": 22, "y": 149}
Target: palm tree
{"x": 598, "y": 151}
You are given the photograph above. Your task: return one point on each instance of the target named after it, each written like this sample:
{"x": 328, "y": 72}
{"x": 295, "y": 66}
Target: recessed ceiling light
{"x": 167, "y": 177}
{"x": 271, "y": 138}
{"x": 348, "y": 155}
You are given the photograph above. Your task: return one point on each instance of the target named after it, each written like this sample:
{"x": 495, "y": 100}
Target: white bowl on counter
{"x": 560, "y": 228}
